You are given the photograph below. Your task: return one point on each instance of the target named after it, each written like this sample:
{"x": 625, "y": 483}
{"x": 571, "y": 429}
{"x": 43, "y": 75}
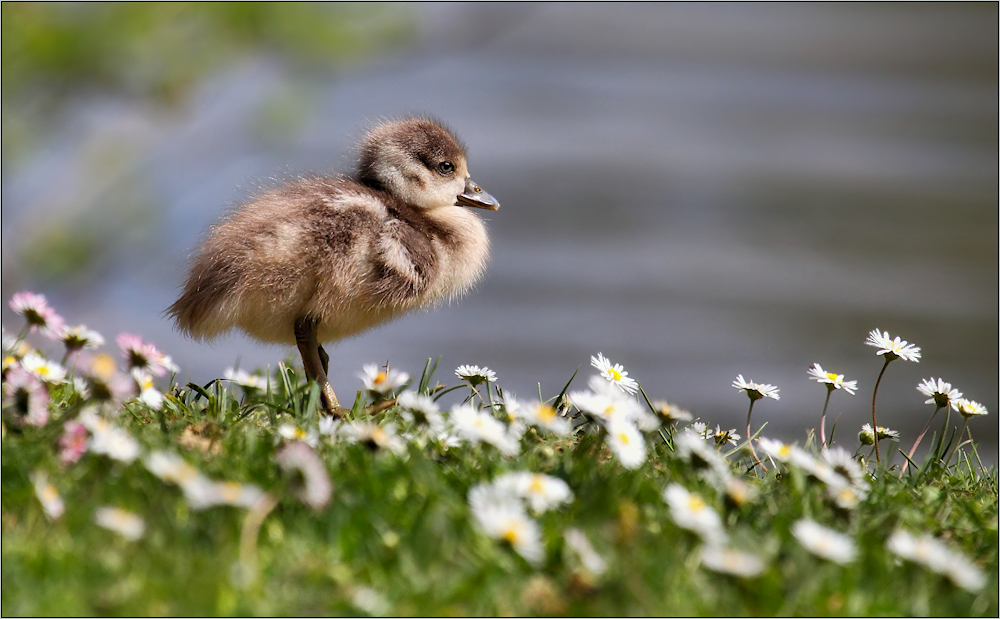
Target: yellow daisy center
{"x": 615, "y": 374}
{"x": 230, "y": 490}
{"x": 832, "y": 376}
{"x": 511, "y": 535}
{"x": 695, "y": 503}
{"x": 546, "y": 412}
{"x": 104, "y": 365}
{"x": 536, "y": 485}
{"x": 623, "y": 438}
{"x": 381, "y": 378}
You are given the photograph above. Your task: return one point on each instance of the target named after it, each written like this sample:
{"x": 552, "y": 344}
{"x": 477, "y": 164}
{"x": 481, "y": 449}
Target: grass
{"x": 398, "y": 536}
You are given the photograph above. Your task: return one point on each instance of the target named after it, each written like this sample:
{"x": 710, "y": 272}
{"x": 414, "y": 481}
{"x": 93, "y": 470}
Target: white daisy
{"x": 841, "y": 461}
{"x": 846, "y": 496}
{"x": 615, "y": 374}
{"x": 382, "y": 382}
{"x": 691, "y": 447}
{"x": 48, "y": 496}
{"x": 867, "y": 436}
{"x": 970, "y": 408}
{"x": 125, "y": 523}
{"x": 626, "y": 442}
{"x": 478, "y": 426}
{"x": 577, "y": 541}
{"x": 202, "y": 493}
{"x": 474, "y": 375}
{"x": 604, "y": 403}
{"x": 730, "y": 561}
{"x": 503, "y": 517}
{"x": 831, "y": 380}
{"x": 45, "y": 370}
{"x": 671, "y": 412}
{"x": 689, "y": 511}
{"x": 721, "y": 437}
{"x": 80, "y": 337}
{"x": 739, "y": 491}
{"x": 938, "y": 392}
{"x": 373, "y": 435}
{"x": 420, "y": 409}
{"x": 542, "y": 492}
{"x": 823, "y": 542}
{"x": 148, "y": 394}
{"x": 937, "y": 557}
{"x": 893, "y": 348}
{"x": 777, "y": 450}
{"x": 545, "y": 416}
{"x": 316, "y": 489}
{"x": 293, "y": 433}
{"x": 114, "y": 442}
{"x": 756, "y": 391}
{"x": 170, "y": 467}
{"x": 244, "y": 379}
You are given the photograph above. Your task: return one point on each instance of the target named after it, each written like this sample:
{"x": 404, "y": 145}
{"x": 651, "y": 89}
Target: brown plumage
{"x": 323, "y": 258}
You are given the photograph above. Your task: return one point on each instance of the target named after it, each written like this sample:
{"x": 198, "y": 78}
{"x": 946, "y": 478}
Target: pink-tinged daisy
{"x": 144, "y": 356}
{"x": 382, "y": 382}
{"x": 43, "y": 369}
{"x": 80, "y": 337}
{"x": 123, "y": 522}
{"x": 893, "y": 348}
{"x": 25, "y": 397}
{"x": 831, "y": 380}
{"x": 615, "y": 374}
{"x": 73, "y": 442}
{"x": 316, "y": 489}
{"x": 106, "y": 385}
{"x": 48, "y": 496}
{"x": 36, "y": 311}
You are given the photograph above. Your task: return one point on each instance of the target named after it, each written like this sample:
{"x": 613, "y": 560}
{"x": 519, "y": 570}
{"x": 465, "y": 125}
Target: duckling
{"x": 321, "y": 258}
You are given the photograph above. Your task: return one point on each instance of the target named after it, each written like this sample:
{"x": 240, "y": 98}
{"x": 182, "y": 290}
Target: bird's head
{"x": 420, "y": 162}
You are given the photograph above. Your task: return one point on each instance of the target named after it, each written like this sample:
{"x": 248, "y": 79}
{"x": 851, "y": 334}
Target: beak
{"x": 476, "y": 197}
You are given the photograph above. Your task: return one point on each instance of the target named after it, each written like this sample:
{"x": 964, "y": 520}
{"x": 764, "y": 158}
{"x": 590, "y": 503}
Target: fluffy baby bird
{"x": 323, "y": 258}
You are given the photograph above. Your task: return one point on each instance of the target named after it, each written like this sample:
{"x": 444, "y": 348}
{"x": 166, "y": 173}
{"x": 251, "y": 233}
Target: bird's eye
{"x": 446, "y": 167}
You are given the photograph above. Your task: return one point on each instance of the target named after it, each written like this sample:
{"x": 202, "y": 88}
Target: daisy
{"x": 691, "y": 447}
{"x": 26, "y": 397}
{"x": 731, "y": 561}
{"x": 244, "y": 379}
{"x": 202, "y": 493}
{"x": 818, "y": 469}
{"x": 893, "y": 348}
{"x": 125, "y": 523}
{"x": 846, "y": 496}
{"x": 480, "y": 427}
{"x": 823, "y": 542}
{"x": 545, "y": 416}
{"x": 144, "y": 356}
{"x": 45, "y": 370}
{"x": 48, "y": 496}
{"x": 291, "y": 433}
{"x": 842, "y": 462}
{"x": 579, "y": 544}
{"x": 671, "y": 412}
{"x": 420, "y": 409}
{"x": 373, "y": 435}
{"x": 831, "y": 380}
{"x": 756, "y": 391}
{"x": 41, "y": 318}
{"x": 615, "y": 374}
{"x": 690, "y": 512}
{"x": 148, "y": 394}
{"x": 776, "y": 450}
{"x": 970, "y": 408}
{"x": 937, "y": 557}
{"x": 739, "y": 492}
{"x": 542, "y": 492}
{"x": 382, "y": 383}
{"x": 604, "y": 402}
{"x": 867, "y": 437}
{"x": 73, "y": 442}
{"x": 109, "y": 440}
{"x": 626, "y": 442}
{"x": 474, "y": 375}
{"x": 105, "y": 384}
{"x": 329, "y": 426}
{"x": 317, "y": 489}
{"x": 501, "y": 517}
{"x": 938, "y": 392}
{"x": 170, "y": 468}
{"x": 80, "y": 337}
{"x": 722, "y": 437}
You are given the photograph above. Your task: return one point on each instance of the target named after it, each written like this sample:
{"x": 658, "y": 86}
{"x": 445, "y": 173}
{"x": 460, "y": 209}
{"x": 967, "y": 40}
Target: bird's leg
{"x": 315, "y": 364}
{"x": 325, "y": 358}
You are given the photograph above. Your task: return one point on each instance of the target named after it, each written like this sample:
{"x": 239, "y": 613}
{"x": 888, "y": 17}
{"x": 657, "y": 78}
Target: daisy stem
{"x": 909, "y": 456}
{"x": 750, "y": 441}
{"x": 944, "y": 430}
{"x": 822, "y": 419}
{"x": 965, "y": 423}
{"x": 878, "y": 460}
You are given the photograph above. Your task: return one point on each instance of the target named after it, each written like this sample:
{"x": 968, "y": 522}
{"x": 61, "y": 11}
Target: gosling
{"x": 320, "y": 259}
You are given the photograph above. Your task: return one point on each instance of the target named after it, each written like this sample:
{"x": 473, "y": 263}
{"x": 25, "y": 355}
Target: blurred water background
{"x": 695, "y": 190}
